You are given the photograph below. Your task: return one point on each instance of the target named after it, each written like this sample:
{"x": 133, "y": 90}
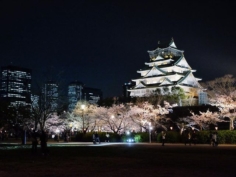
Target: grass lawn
{"x": 122, "y": 160}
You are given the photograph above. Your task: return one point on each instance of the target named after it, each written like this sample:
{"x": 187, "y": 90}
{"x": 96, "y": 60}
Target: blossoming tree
{"x": 115, "y": 118}
{"x": 202, "y": 120}
{"x": 145, "y": 115}
{"x": 85, "y": 116}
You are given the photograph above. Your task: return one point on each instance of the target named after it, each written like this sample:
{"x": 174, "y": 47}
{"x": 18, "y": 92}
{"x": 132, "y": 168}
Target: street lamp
{"x": 143, "y": 123}
{"x": 150, "y": 128}
{"x": 83, "y": 107}
{"x": 24, "y": 135}
{"x": 57, "y": 132}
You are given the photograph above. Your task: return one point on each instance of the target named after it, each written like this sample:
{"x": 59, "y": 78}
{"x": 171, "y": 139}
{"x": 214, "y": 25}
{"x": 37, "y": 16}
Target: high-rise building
{"x": 50, "y": 95}
{"x": 92, "y": 95}
{"x": 34, "y": 100}
{"x": 167, "y": 69}
{"x": 74, "y": 94}
{"x": 16, "y": 85}
{"x": 78, "y": 92}
{"x": 202, "y": 98}
{"x": 126, "y": 86}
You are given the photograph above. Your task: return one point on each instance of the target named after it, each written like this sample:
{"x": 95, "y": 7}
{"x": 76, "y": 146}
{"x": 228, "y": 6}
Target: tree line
{"x": 140, "y": 114}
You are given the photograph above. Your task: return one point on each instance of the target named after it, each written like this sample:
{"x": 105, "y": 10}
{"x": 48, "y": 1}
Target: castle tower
{"x": 167, "y": 68}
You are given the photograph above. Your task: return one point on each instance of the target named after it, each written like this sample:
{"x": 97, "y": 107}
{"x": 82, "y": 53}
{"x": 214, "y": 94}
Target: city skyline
{"x": 16, "y": 89}
{"x": 104, "y": 43}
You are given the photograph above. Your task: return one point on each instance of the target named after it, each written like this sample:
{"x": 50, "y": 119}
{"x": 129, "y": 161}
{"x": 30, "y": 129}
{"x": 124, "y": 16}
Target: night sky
{"x": 102, "y": 43}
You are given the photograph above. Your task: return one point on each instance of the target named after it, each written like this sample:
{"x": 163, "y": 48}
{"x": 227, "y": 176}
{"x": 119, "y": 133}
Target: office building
{"x": 78, "y": 92}
{"x": 74, "y": 94}
{"x": 92, "y": 95}
{"x": 16, "y": 85}
{"x": 50, "y": 95}
{"x": 126, "y": 94}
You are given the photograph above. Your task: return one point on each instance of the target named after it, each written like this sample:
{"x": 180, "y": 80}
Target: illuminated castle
{"x": 167, "y": 68}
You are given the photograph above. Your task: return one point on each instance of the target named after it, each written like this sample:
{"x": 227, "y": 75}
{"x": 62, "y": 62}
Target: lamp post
{"x": 57, "y": 132}
{"x": 24, "y": 135}
{"x": 83, "y": 107}
{"x": 150, "y": 128}
{"x": 143, "y": 121}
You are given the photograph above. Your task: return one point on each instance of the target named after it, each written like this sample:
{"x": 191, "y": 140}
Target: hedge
{"x": 88, "y": 137}
{"x": 202, "y": 137}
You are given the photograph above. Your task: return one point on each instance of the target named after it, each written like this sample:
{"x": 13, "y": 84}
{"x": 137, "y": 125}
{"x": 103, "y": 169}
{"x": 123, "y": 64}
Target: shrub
{"x": 223, "y": 136}
{"x": 171, "y": 137}
{"x": 203, "y": 137}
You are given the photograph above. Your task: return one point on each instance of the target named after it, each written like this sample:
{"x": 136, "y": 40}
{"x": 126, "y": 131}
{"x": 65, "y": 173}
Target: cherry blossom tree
{"x": 146, "y": 115}
{"x": 222, "y": 91}
{"x": 54, "y": 122}
{"x": 85, "y": 116}
{"x": 226, "y": 112}
{"x": 203, "y": 119}
{"x": 70, "y": 121}
{"x": 40, "y": 113}
{"x": 139, "y": 118}
{"x": 47, "y": 100}
{"x": 115, "y": 118}
{"x": 64, "y": 122}
{"x": 81, "y": 119}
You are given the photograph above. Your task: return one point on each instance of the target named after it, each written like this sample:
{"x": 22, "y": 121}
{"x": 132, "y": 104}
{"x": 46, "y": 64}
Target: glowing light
{"x": 130, "y": 140}
{"x": 82, "y": 106}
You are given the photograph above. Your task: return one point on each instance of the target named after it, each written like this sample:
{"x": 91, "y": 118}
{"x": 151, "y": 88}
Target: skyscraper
{"x": 92, "y": 95}
{"x": 126, "y": 94}
{"x": 74, "y": 94}
{"x": 78, "y": 92}
{"x": 50, "y": 95}
{"x": 16, "y": 85}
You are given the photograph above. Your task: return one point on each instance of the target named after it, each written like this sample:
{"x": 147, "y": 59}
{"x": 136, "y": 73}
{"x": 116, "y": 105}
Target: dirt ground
{"x": 121, "y": 160}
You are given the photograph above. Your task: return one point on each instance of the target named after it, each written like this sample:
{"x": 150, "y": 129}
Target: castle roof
{"x": 167, "y": 68}
{"x": 166, "y": 44}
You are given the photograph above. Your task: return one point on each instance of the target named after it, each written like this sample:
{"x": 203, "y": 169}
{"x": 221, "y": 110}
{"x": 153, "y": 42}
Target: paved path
{"x": 4, "y": 145}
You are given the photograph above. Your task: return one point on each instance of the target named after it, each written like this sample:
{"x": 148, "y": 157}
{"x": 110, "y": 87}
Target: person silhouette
{"x": 107, "y": 137}
{"x": 43, "y": 143}
{"x": 34, "y": 142}
{"x": 163, "y": 138}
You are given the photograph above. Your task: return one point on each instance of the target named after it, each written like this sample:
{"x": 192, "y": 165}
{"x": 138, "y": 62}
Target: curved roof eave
{"x": 187, "y": 74}
{"x": 152, "y": 51}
